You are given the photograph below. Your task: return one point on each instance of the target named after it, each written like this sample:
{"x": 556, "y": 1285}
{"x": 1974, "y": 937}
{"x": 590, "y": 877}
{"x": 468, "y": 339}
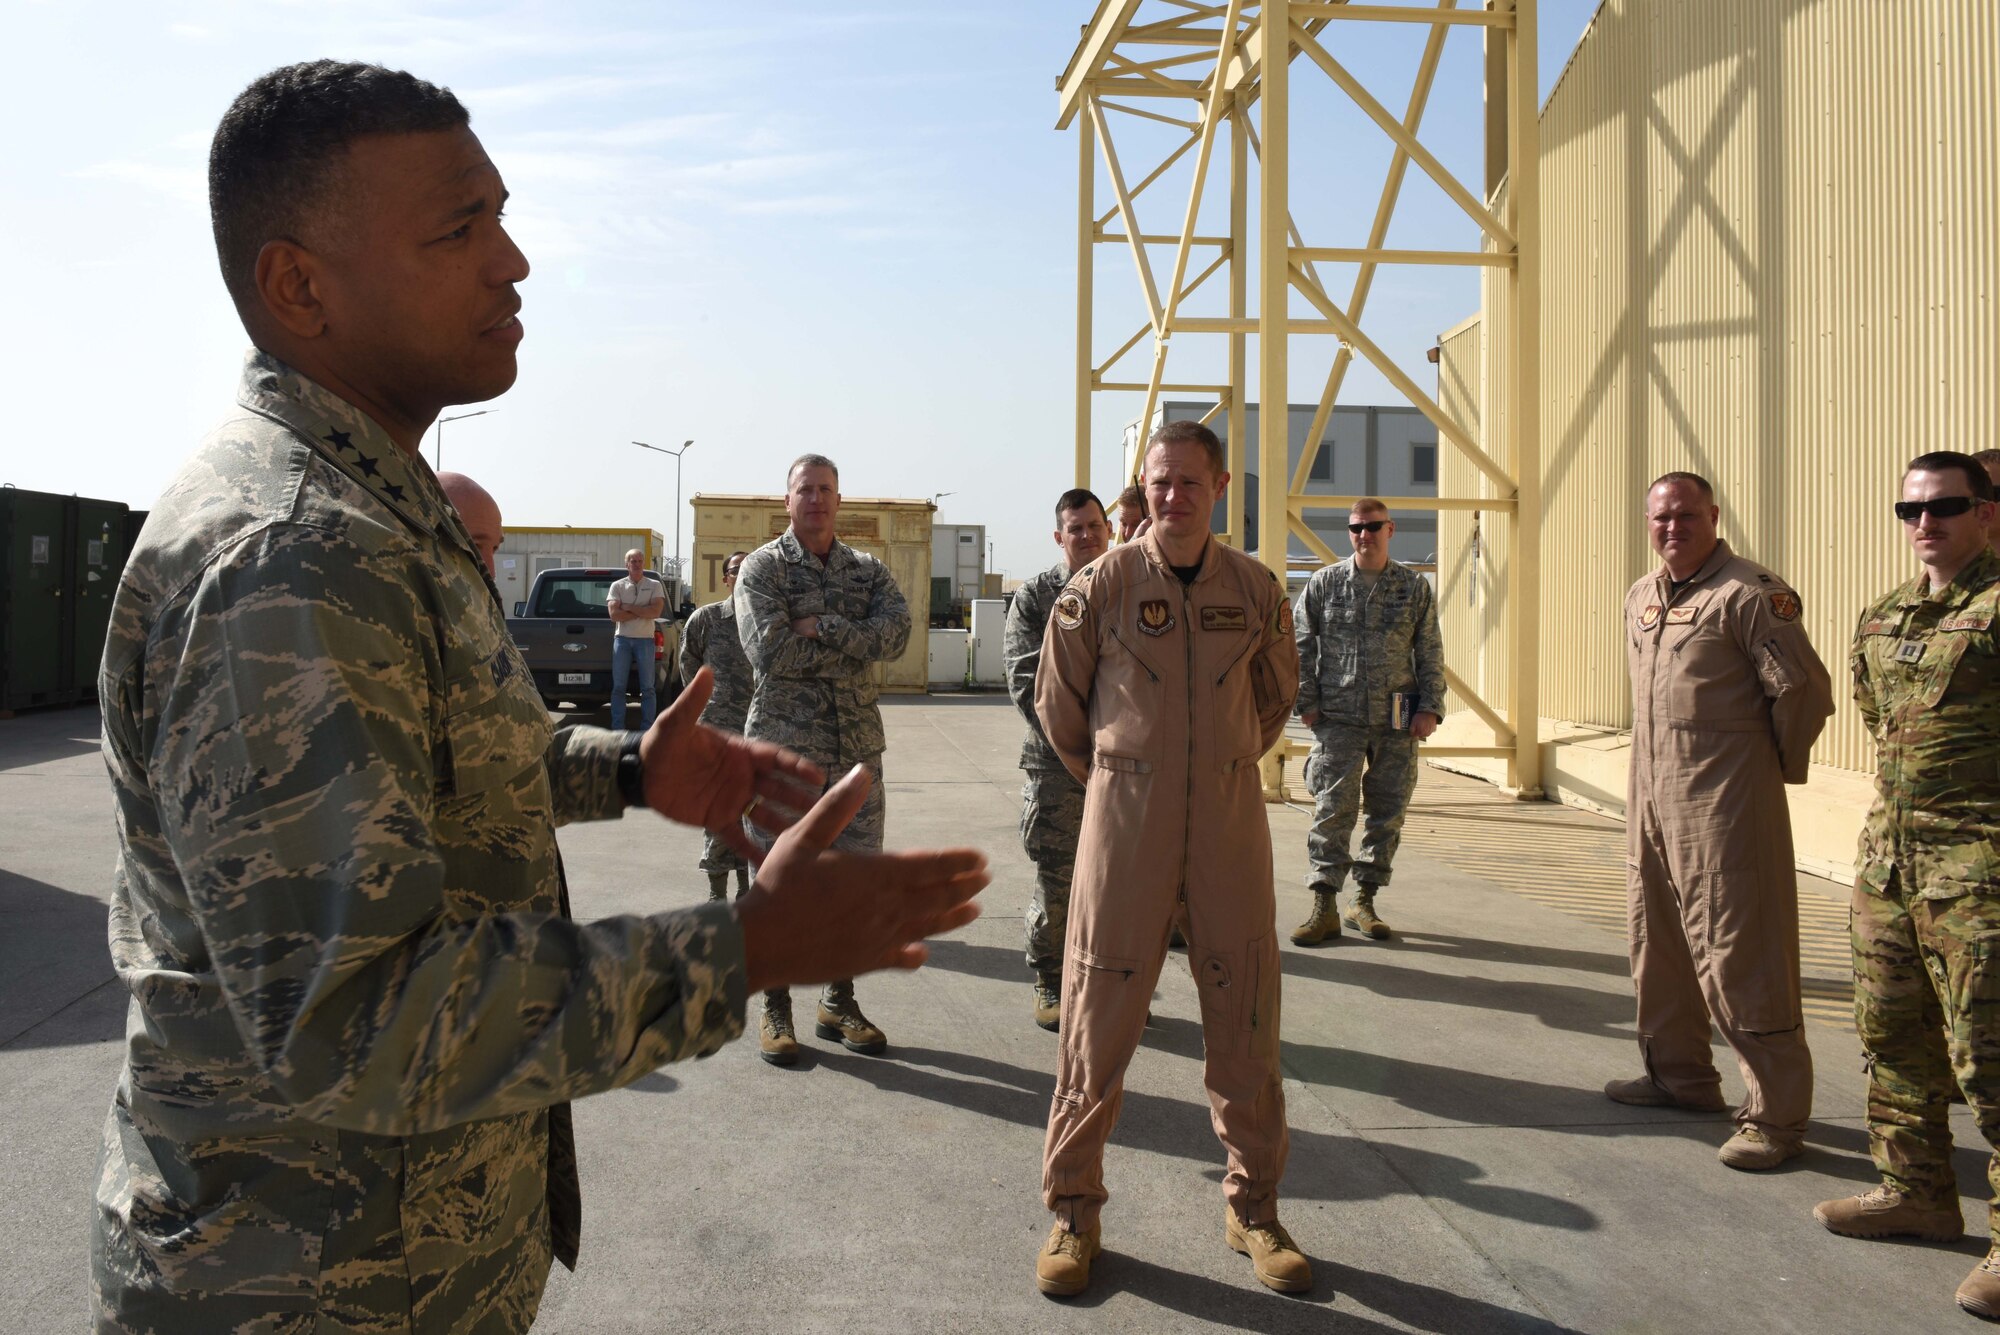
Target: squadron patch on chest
{"x": 1224, "y": 618}
{"x": 1068, "y": 610}
{"x": 1650, "y": 617}
{"x": 1785, "y": 605}
{"x": 1680, "y": 616}
{"x": 1154, "y": 617}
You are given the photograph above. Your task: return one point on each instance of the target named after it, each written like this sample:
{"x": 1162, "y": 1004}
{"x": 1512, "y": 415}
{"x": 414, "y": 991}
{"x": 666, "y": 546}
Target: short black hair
{"x": 1075, "y": 499}
{"x": 1945, "y": 461}
{"x": 1695, "y": 480}
{"x": 1191, "y": 433}
{"x": 280, "y": 144}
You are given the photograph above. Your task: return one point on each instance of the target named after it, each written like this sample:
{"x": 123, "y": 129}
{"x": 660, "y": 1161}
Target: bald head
{"x": 478, "y": 511}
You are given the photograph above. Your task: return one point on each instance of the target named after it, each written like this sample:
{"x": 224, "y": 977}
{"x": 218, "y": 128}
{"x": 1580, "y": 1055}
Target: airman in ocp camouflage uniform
{"x": 1926, "y": 909}
{"x": 1052, "y": 800}
{"x": 709, "y": 640}
{"x": 354, "y": 998}
{"x": 1367, "y": 629}
{"x": 815, "y": 616}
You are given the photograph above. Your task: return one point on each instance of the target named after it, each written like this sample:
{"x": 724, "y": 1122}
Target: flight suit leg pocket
{"x": 1730, "y": 912}
{"x": 1223, "y": 985}
{"x": 1103, "y": 1011}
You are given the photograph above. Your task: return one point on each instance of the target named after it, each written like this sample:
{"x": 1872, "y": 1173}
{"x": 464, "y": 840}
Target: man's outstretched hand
{"x": 815, "y": 915}
{"x": 703, "y": 776}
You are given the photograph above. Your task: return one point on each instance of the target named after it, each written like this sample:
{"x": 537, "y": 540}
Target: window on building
{"x": 1424, "y": 464}
{"x": 1322, "y": 469}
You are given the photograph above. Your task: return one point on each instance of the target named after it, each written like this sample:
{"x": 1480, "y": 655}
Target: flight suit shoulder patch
{"x": 1155, "y": 617}
{"x": 1284, "y": 616}
{"x": 1068, "y": 611}
{"x": 1785, "y": 604}
{"x": 1650, "y": 617}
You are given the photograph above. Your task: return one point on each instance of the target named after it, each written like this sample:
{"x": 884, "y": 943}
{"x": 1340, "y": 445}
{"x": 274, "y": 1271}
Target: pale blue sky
{"x": 839, "y": 227}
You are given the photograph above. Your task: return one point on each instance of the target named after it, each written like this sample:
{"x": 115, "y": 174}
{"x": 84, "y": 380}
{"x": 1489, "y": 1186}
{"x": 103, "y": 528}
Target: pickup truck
{"x": 564, "y": 630}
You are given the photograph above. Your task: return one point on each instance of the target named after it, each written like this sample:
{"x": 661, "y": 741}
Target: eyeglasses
{"x": 1944, "y": 507}
{"x": 1375, "y": 526}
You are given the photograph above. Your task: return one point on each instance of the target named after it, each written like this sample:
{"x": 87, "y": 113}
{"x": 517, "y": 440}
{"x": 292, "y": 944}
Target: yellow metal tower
{"x": 1206, "y": 64}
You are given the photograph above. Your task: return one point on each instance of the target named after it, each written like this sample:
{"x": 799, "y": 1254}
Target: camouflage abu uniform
{"x": 1926, "y": 919}
{"x": 1357, "y": 646}
{"x": 354, "y": 999}
{"x": 1052, "y": 806}
{"x": 818, "y": 696}
{"x": 709, "y": 640}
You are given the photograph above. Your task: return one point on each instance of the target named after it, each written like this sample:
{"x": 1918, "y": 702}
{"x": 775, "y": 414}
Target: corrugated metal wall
{"x": 1771, "y": 243}
{"x": 1472, "y": 546}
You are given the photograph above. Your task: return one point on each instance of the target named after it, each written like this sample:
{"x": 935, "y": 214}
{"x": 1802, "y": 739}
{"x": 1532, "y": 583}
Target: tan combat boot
{"x": 718, "y": 886}
{"x": 1322, "y": 924}
{"x": 1273, "y": 1255}
{"x": 1362, "y": 916}
{"x": 1643, "y": 1093}
{"x": 1980, "y": 1293}
{"x": 1063, "y": 1268}
{"x": 1048, "y": 1002}
{"x": 840, "y": 1018}
{"x": 1753, "y": 1149}
{"x": 776, "y": 1043}
{"x": 1887, "y": 1213}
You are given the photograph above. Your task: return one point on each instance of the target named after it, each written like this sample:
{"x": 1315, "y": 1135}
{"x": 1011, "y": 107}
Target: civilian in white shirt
{"x": 636, "y": 602}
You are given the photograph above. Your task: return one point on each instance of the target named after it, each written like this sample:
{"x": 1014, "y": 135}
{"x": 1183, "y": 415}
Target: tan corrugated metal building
{"x": 1770, "y": 236}
{"x": 895, "y": 532}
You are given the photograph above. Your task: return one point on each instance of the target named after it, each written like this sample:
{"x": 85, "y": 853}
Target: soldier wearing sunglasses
{"x": 1926, "y": 909}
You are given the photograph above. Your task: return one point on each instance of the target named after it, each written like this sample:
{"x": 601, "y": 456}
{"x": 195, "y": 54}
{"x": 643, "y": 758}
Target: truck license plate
{"x": 572, "y": 679}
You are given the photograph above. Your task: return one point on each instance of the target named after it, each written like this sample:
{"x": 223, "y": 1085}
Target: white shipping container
{"x": 958, "y": 553}
{"x": 526, "y": 552}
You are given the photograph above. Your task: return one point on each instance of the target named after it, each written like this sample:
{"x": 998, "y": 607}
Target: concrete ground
{"x": 1454, "y": 1167}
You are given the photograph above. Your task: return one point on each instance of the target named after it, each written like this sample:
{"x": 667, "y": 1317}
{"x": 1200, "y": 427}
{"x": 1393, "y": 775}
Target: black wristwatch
{"x": 631, "y": 775}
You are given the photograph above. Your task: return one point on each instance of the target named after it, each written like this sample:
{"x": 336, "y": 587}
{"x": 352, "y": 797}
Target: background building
{"x": 526, "y": 552}
{"x": 1770, "y": 246}
{"x": 1364, "y": 451}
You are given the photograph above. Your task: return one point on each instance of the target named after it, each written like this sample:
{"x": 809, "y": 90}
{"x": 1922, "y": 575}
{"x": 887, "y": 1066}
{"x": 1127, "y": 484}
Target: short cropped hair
{"x": 1945, "y": 461}
{"x": 1989, "y": 460}
{"x": 1191, "y": 433}
{"x": 1132, "y": 495}
{"x": 276, "y": 157}
{"x": 1075, "y": 499}
{"x": 812, "y": 461}
{"x": 1368, "y": 505}
{"x": 1695, "y": 480}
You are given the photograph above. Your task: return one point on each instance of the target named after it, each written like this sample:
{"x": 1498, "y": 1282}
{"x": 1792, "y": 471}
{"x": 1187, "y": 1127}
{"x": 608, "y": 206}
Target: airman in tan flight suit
{"x": 1167, "y": 671}
{"x": 1727, "y": 700}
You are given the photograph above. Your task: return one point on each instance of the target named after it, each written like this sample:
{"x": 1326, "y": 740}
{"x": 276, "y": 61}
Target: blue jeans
{"x": 629, "y": 653}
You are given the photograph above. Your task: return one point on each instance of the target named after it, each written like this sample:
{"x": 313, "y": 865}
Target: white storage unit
{"x": 958, "y": 553}
{"x": 526, "y": 552}
{"x": 989, "y": 642}
{"x": 950, "y": 658}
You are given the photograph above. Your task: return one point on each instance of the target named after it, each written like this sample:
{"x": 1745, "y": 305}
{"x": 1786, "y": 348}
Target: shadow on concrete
{"x": 37, "y": 739}
{"x": 995, "y": 698}
{"x": 52, "y": 952}
{"x": 1321, "y": 1166}
{"x": 1507, "y": 952}
{"x": 1582, "y": 1010}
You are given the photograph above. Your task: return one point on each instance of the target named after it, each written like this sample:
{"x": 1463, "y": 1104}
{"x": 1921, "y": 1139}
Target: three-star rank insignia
{"x": 1785, "y": 605}
{"x": 1154, "y": 617}
{"x": 1069, "y": 610}
{"x": 1650, "y": 617}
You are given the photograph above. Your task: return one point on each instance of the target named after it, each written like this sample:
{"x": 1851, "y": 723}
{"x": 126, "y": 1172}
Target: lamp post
{"x": 460, "y": 418}
{"x": 686, "y": 445}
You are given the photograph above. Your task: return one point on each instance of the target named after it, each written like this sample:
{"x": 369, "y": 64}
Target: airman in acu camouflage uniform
{"x": 815, "y": 617}
{"x": 1367, "y": 629}
{"x": 1926, "y": 916}
{"x": 1052, "y": 800}
{"x": 709, "y": 640}
{"x": 354, "y": 998}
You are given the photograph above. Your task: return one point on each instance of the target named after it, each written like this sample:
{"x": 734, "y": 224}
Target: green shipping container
{"x": 60, "y": 559}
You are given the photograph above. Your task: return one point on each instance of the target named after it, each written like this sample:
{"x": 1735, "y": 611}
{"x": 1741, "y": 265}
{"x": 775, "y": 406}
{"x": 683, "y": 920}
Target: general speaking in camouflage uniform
{"x": 1728, "y": 696}
{"x": 357, "y": 1007}
{"x": 815, "y": 617}
{"x": 1367, "y": 629}
{"x": 1052, "y": 799}
{"x": 709, "y": 640}
{"x": 1926, "y": 909}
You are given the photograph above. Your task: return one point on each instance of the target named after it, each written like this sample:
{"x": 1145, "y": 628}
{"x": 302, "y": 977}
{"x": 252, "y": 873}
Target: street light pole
{"x": 460, "y": 418}
{"x": 686, "y": 445}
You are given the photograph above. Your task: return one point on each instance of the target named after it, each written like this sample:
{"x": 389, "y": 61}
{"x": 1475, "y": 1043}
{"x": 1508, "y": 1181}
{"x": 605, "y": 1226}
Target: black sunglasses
{"x": 1944, "y": 507}
{"x": 1375, "y": 526}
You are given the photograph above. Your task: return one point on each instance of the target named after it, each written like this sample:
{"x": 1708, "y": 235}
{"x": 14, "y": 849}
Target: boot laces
{"x": 1272, "y": 1235}
{"x": 1062, "y": 1242}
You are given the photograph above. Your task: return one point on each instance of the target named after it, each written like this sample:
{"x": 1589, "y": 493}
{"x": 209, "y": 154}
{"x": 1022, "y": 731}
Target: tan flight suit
{"x": 1727, "y": 699}
{"x": 1161, "y": 697}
